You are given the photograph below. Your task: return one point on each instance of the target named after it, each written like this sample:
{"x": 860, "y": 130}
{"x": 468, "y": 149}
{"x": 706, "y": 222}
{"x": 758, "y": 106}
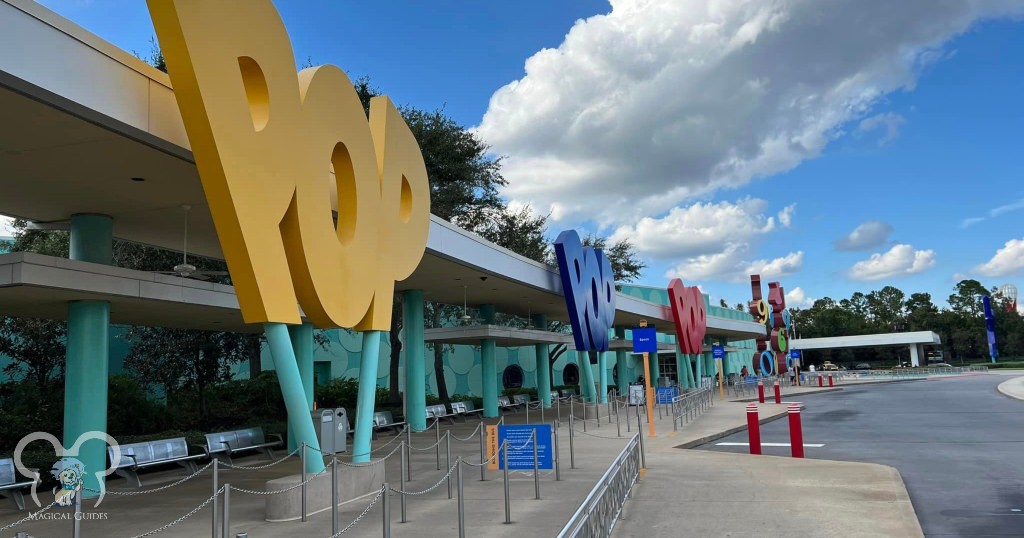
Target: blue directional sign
{"x": 718, "y": 352}
{"x": 520, "y": 446}
{"x": 664, "y": 395}
{"x": 645, "y": 339}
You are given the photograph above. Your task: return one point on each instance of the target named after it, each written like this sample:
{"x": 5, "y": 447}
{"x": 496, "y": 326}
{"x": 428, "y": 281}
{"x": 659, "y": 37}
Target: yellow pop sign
{"x": 266, "y": 139}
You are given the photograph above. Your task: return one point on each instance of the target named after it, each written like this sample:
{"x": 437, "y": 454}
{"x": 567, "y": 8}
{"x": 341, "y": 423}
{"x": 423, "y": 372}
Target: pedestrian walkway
{"x": 1014, "y": 388}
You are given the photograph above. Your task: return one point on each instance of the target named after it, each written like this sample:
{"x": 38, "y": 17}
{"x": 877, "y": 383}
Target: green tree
{"x": 966, "y": 299}
{"x": 36, "y": 348}
{"x": 886, "y": 307}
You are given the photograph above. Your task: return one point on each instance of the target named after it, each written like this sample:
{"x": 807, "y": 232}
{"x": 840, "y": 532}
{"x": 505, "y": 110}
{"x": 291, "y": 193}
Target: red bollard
{"x": 830, "y": 384}
{"x": 753, "y": 429}
{"x": 820, "y": 382}
{"x": 778, "y": 393}
{"x": 796, "y": 432}
{"x": 760, "y": 391}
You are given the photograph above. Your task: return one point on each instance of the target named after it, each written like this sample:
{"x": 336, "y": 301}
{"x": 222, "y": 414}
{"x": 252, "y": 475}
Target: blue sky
{"x": 722, "y": 137}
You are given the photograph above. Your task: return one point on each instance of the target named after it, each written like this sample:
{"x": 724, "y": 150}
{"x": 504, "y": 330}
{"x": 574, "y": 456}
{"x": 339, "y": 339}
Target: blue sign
{"x": 664, "y": 395}
{"x": 589, "y": 287}
{"x": 520, "y": 446}
{"x": 645, "y": 339}
{"x": 795, "y": 354}
{"x": 718, "y": 352}
{"x": 990, "y": 327}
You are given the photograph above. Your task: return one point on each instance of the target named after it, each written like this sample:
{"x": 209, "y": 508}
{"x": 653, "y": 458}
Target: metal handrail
{"x": 599, "y": 512}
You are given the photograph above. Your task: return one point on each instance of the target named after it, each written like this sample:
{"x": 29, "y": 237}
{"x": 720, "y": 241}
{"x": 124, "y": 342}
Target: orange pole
{"x": 650, "y": 393}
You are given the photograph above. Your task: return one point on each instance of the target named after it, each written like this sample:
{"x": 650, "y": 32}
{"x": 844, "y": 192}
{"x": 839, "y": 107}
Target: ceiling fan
{"x": 466, "y": 319}
{"x": 185, "y": 269}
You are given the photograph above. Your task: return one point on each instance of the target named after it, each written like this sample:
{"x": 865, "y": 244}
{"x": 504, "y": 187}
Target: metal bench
{"x": 9, "y": 484}
{"x": 137, "y": 456}
{"x": 465, "y": 409}
{"x": 504, "y": 403}
{"x": 520, "y": 399}
{"x": 440, "y": 412}
{"x": 224, "y": 445}
{"x": 383, "y": 420}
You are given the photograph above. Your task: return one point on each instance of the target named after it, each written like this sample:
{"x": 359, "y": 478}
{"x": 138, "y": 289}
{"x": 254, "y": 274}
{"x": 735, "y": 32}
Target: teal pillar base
{"x": 366, "y": 399}
{"x": 587, "y": 377}
{"x": 543, "y": 365}
{"x": 415, "y": 367}
{"x": 622, "y": 381}
{"x": 602, "y": 377}
{"x": 488, "y": 371}
{"x": 302, "y": 342}
{"x": 85, "y": 386}
{"x": 91, "y": 239}
{"x": 300, "y": 423}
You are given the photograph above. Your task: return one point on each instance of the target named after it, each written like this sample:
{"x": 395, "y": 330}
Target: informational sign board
{"x": 636, "y": 394}
{"x": 665, "y": 394}
{"x": 645, "y": 339}
{"x": 795, "y": 354}
{"x": 520, "y": 446}
{"x": 718, "y": 352}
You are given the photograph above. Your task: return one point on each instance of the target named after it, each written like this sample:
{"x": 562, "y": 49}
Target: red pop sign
{"x": 690, "y": 316}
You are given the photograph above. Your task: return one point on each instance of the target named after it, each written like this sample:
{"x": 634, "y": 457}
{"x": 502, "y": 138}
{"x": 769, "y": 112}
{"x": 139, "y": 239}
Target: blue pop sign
{"x": 520, "y": 446}
{"x": 718, "y": 352}
{"x": 645, "y": 339}
{"x": 589, "y": 287}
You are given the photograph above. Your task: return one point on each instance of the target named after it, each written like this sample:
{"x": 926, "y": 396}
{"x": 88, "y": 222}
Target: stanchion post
{"x": 541, "y": 404}
{"x": 760, "y": 391}
{"x": 508, "y": 505}
{"x": 643, "y": 453}
{"x": 303, "y": 458}
{"x": 401, "y": 486}
{"x": 558, "y": 455}
{"x": 796, "y": 433}
{"x": 227, "y": 510}
{"x": 830, "y": 382}
{"x": 618, "y": 425}
{"x": 462, "y": 499}
{"x": 821, "y": 383}
{"x": 558, "y": 407}
{"x": 753, "y": 429}
{"x": 387, "y": 510}
{"x": 334, "y": 495}
{"x": 778, "y": 393}
{"x": 76, "y": 525}
{"x": 536, "y": 466}
{"x": 483, "y": 451}
{"x": 215, "y": 488}
{"x": 448, "y": 458}
{"x": 437, "y": 442}
{"x": 572, "y": 448}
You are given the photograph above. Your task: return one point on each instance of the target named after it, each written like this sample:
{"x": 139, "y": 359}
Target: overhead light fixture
{"x": 138, "y": 179}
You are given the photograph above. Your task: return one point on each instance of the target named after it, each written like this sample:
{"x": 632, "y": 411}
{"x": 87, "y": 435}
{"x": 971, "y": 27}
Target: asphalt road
{"x": 958, "y": 443}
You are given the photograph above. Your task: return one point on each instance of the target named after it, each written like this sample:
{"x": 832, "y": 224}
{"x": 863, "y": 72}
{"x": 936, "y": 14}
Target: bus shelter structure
{"x": 914, "y": 341}
{"x": 92, "y": 141}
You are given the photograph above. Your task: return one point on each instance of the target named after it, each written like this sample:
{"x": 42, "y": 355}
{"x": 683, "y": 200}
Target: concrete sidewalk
{"x": 1014, "y": 388}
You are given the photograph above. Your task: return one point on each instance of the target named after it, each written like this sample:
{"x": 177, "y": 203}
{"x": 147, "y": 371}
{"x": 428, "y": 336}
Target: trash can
{"x": 341, "y": 429}
{"x": 323, "y": 423}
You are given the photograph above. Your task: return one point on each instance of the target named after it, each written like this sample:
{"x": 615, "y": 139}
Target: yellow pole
{"x": 650, "y": 393}
{"x": 721, "y": 387}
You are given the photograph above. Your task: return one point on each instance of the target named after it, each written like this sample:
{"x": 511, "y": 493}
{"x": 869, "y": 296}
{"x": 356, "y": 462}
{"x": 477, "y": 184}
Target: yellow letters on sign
{"x": 267, "y": 142}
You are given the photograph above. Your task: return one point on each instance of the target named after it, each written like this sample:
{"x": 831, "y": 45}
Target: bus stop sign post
{"x": 645, "y": 341}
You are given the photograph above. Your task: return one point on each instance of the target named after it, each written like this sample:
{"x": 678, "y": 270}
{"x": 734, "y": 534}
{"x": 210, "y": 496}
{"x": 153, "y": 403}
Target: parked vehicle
{"x": 862, "y": 366}
{"x": 940, "y": 365}
{"x": 828, "y": 366}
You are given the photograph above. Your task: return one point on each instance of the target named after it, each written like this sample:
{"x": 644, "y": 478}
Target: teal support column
{"x": 620, "y": 364}
{"x": 709, "y": 359}
{"x": 85, "y": 385}
{"x": 88, "y": 353}
{"x": 602, "y": 377}
{"x": 587, "y": 377}
{"x": 415, "y": 368}
{"x": 679, "y": 369}
{"x": 92, "y": 238}
{"x": 300, "y": 423}
{"x": 652, "y": 372}
{"x": 488, "y": 368}
{"x": 302, "y": 342}
{"x": 366, "y": 398}
{"x": 540, "y": 321}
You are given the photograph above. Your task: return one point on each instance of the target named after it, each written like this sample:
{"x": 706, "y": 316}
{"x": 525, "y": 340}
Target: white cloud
{"x": 871, "y": 234}
{"x": 797, "y": 298}
{"x": 1007, "y": 260}
{"x": 5, "y": 226}
{"x": 700, "y": 228}
{"x": 730, "y": 265}
{"x": 889, "y": 121}
{"x": 786, "y": 215}
{"x": 900, "y": 260}
{"x": 993, "y": 213}
{"x": 659, "y": 101}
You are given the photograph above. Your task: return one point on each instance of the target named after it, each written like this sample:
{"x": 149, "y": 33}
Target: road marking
{"x": 806, "y": 445}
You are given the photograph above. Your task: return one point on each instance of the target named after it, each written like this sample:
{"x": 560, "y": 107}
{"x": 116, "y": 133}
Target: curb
{"x": 1007, "y": 392}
